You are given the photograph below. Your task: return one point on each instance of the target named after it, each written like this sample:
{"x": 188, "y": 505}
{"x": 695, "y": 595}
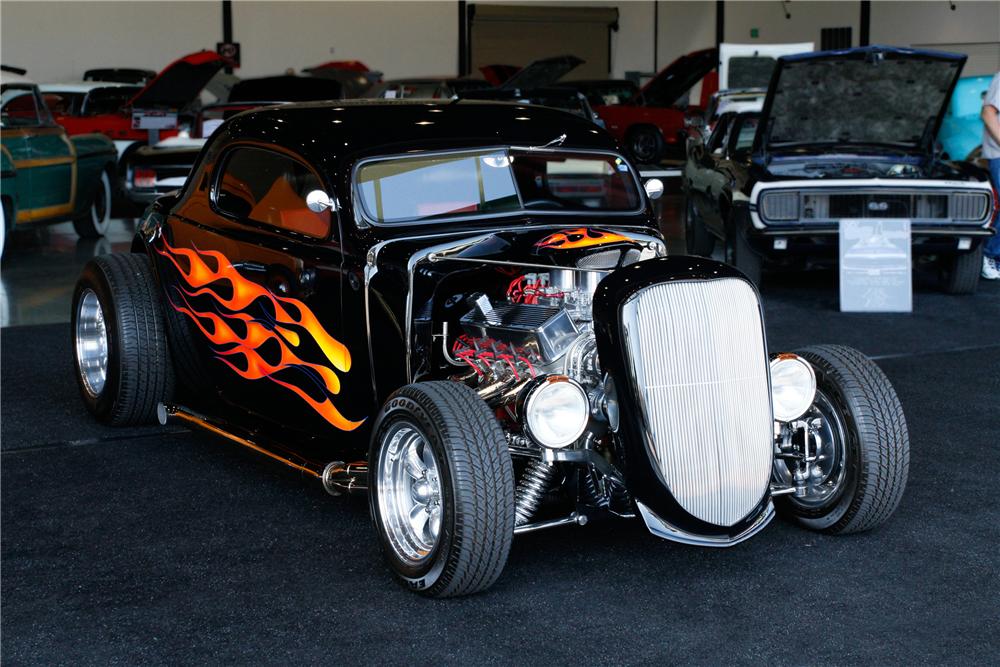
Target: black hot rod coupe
{"x": 466, "y": 310}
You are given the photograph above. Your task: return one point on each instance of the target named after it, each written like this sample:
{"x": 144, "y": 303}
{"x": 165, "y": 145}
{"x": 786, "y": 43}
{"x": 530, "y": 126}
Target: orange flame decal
{"x": 290, "y": 322}
{"x": 581, "y": 237}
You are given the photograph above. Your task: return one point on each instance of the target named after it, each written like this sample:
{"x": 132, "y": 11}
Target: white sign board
{"x": 875, "y": 267}
{"x": 154, "y": 120}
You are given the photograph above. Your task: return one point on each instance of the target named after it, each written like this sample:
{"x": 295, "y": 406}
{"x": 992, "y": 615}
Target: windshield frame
{"x": 364, "y": 219}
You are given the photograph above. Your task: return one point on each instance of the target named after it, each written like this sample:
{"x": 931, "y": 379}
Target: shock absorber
{"x": 534, "y": 483}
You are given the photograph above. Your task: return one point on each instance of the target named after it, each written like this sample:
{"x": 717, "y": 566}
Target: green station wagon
{"x": 47, "y": 176}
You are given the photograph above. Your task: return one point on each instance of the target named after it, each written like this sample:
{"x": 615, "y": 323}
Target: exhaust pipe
{"x": 338, "y": 478}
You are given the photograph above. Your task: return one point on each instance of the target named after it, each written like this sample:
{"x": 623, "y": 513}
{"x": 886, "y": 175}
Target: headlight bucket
{"x": 793, "y": 386}
{"x": 556, "y": 411}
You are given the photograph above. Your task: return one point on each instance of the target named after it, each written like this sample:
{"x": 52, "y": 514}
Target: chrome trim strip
{"x": 661, "y": 528}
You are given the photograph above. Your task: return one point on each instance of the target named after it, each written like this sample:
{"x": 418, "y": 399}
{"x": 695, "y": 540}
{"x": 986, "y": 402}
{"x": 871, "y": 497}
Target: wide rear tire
{"x": 872, "y": 442}
{"x": 122, "y": 362}
{"x": 445, "y": 520}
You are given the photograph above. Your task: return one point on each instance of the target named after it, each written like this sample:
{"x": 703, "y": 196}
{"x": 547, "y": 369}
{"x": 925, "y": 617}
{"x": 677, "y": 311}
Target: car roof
{"x": 84, "y": 87}
{"x": 327, "y": 132}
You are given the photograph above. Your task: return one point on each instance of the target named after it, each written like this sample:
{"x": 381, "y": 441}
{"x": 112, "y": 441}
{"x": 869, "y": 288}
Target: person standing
{"x": 991, "y": 151}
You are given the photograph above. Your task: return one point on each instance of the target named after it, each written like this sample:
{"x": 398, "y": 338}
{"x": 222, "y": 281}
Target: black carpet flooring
{"x": 152, "y": 546}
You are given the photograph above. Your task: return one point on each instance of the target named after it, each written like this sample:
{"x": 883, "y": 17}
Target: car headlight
{"x": 793, "y": 386}
{"x": 556, "y": 412}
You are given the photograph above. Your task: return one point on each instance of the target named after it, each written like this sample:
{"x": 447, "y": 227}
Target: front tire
{"x": 867, "y": 456}
{"x": 698, "y": 239}
{"x": 742, "y": 256}
{"x": 963, "y": 272}
{"x": 94, "y": 223}
{"x": 441, "y": 489}
{"x": 121, "y": 357}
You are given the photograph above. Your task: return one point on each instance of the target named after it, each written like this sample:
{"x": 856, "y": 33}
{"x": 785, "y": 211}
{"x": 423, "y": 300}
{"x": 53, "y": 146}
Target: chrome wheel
{"x": 409, "y": 493}
{"x": 91, "y": 343}
{"x": 827, "y": 473}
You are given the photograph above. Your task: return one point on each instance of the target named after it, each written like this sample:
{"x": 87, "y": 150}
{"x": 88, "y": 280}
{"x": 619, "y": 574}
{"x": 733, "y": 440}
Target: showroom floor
{"x": 152, "y": 546}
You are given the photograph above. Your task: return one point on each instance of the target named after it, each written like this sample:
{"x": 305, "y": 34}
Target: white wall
{"x": 59, "y": 40}
{"x": 807, "y": 18}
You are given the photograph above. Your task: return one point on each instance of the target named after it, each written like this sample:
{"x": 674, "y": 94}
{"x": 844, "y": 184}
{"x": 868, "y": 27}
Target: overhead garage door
{"x": 517, "y": 34}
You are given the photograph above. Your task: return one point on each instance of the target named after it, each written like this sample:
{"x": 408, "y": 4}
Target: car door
{"x": 43, "y": 156}
{"x": 258, "y": 274}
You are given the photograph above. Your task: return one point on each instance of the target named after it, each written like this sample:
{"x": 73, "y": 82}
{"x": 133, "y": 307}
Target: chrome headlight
{"x": 556, "y": 412}
{"x": 793, "y": 386}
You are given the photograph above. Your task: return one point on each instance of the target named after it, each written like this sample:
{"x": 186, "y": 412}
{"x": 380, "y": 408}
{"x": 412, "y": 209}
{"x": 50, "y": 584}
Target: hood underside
{"x": 180, "y": 82}
{"x": 873, "y": 95}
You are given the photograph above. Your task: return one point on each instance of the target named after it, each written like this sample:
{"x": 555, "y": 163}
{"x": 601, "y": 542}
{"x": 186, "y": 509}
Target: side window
{"x": 20, "y": 108}
{"x": 269, "y": 188}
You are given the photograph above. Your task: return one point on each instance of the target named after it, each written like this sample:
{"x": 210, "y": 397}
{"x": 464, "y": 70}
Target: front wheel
{"x": 742, "y": 256}
{"x": 698, "y": 239}
{"x": 962, "y": 272}
{"x": 441, "y": 489}
{"x": 863, "y": 446}
{"x": 645, "y": 145}
{"x": 95, "y": 221}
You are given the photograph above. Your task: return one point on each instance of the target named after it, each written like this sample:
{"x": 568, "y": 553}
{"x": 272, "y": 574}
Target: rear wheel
{"x": 962, "y": 272}
{"x": 645, "y": 144}
{"x": 697, "y": 237}
{"x": 122, "y": 362}
{"x": 442, "y": 489}
{"x": 863, "y": 446}
{"x": 95, "y": 221}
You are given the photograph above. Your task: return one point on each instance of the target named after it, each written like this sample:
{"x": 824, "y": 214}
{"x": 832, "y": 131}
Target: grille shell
{"x": 698, "y": 359}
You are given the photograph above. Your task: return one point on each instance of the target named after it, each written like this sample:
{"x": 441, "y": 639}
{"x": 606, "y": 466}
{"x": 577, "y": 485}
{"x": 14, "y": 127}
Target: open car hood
{"x": 180, "y": 82}
{"x": 678, "y": 78}
{"x": 542, "y": 73}
{"x": 744, "y": 66}
{"x": 874, "y": 95}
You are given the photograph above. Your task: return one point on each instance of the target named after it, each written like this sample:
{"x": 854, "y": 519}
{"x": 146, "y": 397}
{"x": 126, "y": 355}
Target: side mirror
{"x": 318, "y": 201}
{"x": 654, "y": 188}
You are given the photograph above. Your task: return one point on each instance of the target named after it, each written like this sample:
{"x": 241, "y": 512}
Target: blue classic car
{"x": 962, "y": 128}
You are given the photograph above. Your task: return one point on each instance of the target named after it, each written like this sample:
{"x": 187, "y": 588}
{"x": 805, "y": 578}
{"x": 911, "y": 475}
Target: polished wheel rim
{"x": 91, "y": 343}
{"x": 409, "y": 493}
{"x": 829, "y": 471}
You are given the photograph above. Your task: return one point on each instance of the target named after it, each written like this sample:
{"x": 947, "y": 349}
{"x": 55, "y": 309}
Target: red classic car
{"x": 172, "y": 89}
{"x": 648, "y": 125}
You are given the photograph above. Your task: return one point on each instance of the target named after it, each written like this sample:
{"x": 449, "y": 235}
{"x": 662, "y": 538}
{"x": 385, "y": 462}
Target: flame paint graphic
{"x": 290, "y": 321}
{"x": 581, "y": 237}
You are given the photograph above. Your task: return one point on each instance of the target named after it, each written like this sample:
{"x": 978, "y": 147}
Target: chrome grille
{"x": 818, "y": 206}
{"x": 697, "y": 354}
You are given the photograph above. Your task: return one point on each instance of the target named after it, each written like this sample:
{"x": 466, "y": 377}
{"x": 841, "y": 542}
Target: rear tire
{"x": 875, "y": 444}
{"x": 464, "y": 484}
{"x": 94, "y": 223}
{"x": 698, "y": 239}
{"x": 117, "y": 307}
{"x": 963, "y": 272}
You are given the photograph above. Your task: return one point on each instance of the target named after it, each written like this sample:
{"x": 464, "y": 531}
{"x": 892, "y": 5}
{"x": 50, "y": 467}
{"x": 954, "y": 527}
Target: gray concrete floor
{"x": 40, "y": 268}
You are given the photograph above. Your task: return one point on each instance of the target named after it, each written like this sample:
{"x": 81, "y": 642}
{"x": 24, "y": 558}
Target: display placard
{"x": 875, "y": 265}
{"x": 149, "y": 119}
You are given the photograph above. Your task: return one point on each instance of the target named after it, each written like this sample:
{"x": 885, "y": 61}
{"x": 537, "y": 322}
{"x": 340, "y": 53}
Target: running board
{"x": 337, "y": 477}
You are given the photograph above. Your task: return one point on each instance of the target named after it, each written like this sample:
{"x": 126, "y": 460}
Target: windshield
{"x": 416, "y": 189}
{"x": 109, "y": 100}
